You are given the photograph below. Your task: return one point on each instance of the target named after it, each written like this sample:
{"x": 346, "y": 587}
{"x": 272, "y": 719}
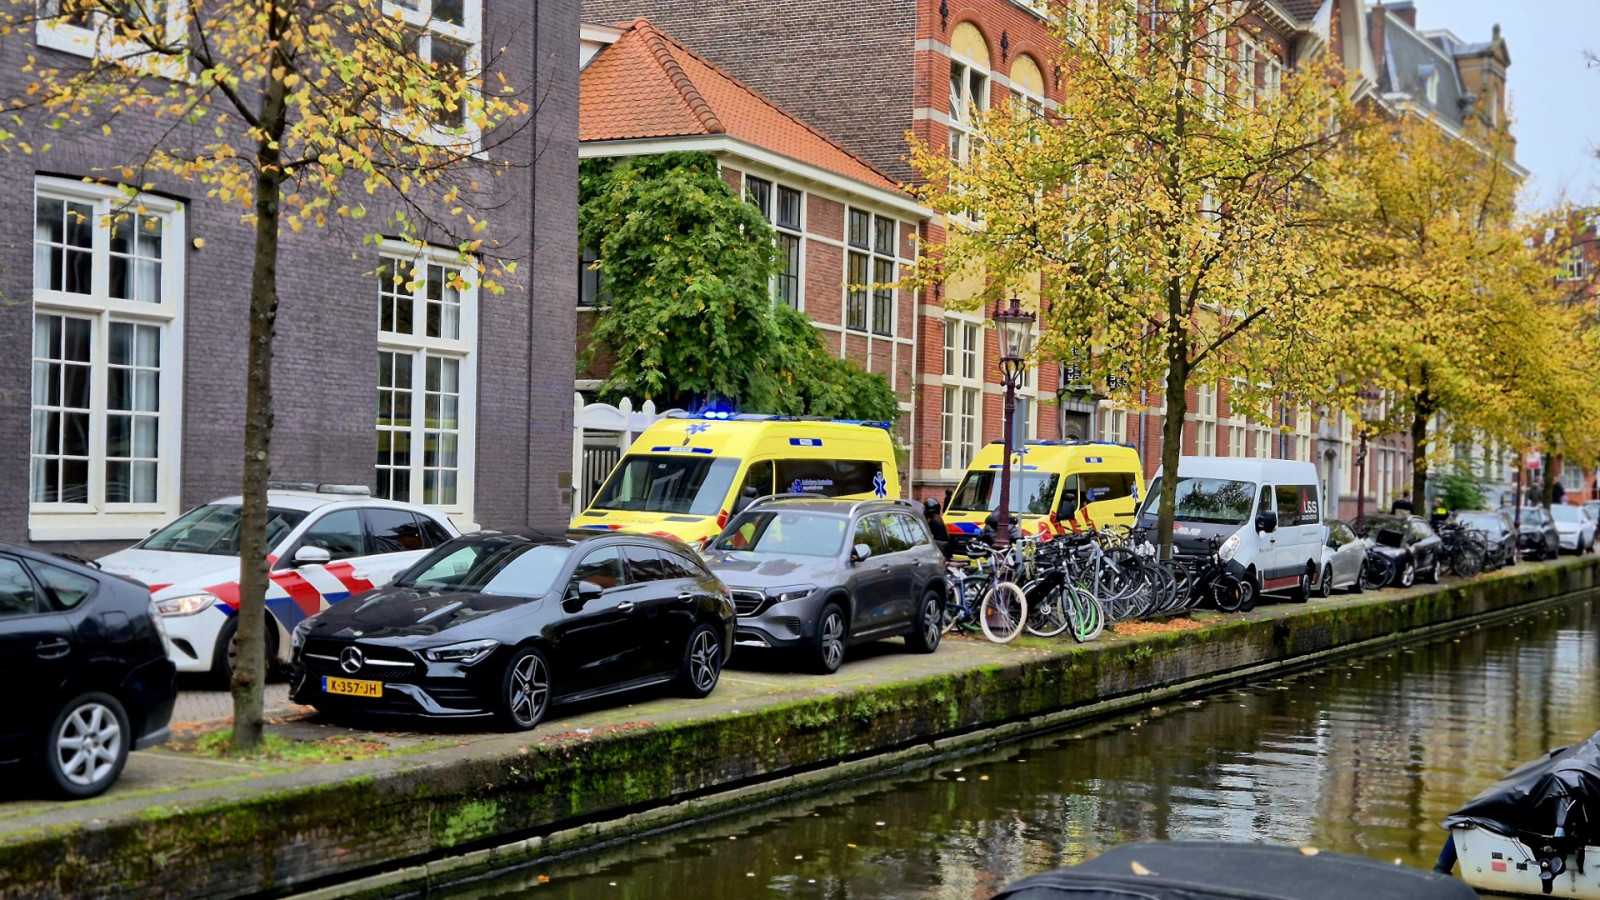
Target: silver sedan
{"x": 1343, "y": 555}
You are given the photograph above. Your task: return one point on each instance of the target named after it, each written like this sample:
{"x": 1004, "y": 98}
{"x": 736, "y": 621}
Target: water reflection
{"x": 1364, "y": 756}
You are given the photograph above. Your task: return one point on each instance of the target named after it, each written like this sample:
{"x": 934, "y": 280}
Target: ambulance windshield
{"x": 214, "y": 529}
{"x": 687, "y": 484}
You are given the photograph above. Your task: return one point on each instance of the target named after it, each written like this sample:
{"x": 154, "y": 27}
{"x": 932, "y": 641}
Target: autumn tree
{"x": 1167, "y": 207}
{"x": 1444, "y": 300}
{"x": 301, "y": 114}
{"x": 689, "y": 316}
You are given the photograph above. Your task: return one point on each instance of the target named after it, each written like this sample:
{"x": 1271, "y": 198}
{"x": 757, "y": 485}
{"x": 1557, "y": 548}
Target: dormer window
{"x": 1429, "y": 73}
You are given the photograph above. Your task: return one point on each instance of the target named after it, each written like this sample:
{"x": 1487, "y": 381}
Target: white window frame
{"x": 1205, "y": 420}
{"x": 961, "y": 432}
{"x": 798, "y": 232}
{"x": 420, "y": 347}
{"x": 1113, "y": 423}
{"x": 468, "y": 33}
{"x": 98, "y": 40}
{"x": 95, "y": 518}
{"x": 963, "y": 132}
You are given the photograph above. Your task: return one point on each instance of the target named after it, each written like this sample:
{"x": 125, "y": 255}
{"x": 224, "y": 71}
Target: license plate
{"x": 352, "y": 687}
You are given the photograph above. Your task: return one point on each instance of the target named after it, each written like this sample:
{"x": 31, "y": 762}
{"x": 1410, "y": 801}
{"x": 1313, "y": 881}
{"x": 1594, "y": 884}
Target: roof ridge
{"x": 667, "y": 38}
{"x": 657, "y": 41}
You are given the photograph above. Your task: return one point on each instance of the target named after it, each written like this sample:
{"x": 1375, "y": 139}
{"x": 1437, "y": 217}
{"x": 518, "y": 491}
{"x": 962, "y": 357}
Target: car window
{"x": 1101, "y": 486}
{"x": 1288, "y": 505}
{"x": 646, "y": 564}
{"x": 602, "y": 568}
{"x": 64, "y": 589}
{"x": 509, "y": 567}
{"x": 1420, "y": 530}
{"x": 867, "y": 532}
{"x": 434, "y": 533}
{"x": 915, "y": 530}
{"x": 439, "y": 573}
{"x": 16, "y": 590}
{"x": 759, "y": 479}
{"x": 394, "y": 531}
{"x": 783, "y": 532}
{"x": 895, "y": 537}
{"x": 682, "y": 567}
{"x": 338, "y": 532}
{"x": 1345, "y": 534}
{"x": 214, "y": 529}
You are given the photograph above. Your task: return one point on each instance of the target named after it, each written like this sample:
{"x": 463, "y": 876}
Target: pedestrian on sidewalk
{"x": 1402, "y": 504}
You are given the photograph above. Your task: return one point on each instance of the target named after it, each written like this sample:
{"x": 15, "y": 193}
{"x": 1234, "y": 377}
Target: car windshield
{"x": 1031, "y": 492}
{"x": 783, "y": 533}
{"x": 1487, "y": 522}
{"x": 214, "y": 529}
{"x": 686, "y": 484}
{"x": 1221, "y": 501}
{"x": 514, "y": 568}
{"x": 1531, "y": 515}
{"x": 1570, "y": 515}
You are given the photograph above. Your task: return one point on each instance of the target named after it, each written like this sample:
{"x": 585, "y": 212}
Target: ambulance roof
{"x": 734, "y": 434}
{"x": 1048, "y": 452}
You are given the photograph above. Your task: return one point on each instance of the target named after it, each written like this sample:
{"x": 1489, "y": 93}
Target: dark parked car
{"x": 819, "y": 575}
{"x": 84, "y": 662}
{"x": 504, "y": 624}
{"x": 1539, "y": 538}
{"x": 1499, "y": 536}
{"x": 1410, "y": 545}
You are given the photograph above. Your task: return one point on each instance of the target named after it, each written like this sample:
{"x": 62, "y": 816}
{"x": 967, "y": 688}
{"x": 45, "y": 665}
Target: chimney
{"x": 1376, "y": 23}
{"x": 1405, "y": 11}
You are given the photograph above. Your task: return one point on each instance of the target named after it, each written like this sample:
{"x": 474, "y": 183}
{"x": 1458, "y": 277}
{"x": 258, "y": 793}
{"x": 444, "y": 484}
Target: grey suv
{"x": 818, "y": 575}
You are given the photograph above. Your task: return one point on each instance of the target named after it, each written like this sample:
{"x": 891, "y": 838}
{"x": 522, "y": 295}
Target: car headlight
{"x": 466, "y": 653}
{"x": 1229, "y": 549}
{"x": 785, "y": 594}
{"x": 297, "y": 638}
{"x": 186, "y": 605}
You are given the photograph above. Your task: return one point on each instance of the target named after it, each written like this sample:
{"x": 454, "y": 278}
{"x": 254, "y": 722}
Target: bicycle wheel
{"x": 1047, "y": 613}
{"x": 1376, "y": 571}
{"x": 1467, "y": 561}
{"x": 1087, "y": 618}
{"x": 1227, "y": 592}
{"x": 1003, "y": 612}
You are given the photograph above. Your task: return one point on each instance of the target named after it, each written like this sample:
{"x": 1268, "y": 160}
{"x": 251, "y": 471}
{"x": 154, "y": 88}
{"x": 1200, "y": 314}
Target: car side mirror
{"x": 312, "y": 556}
{"x": 860, "y": 552}
{"x": 581, "y": 592}
{"x": 1267, "y": 521}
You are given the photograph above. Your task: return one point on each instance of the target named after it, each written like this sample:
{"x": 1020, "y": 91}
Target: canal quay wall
{"x": 395, "y": 825}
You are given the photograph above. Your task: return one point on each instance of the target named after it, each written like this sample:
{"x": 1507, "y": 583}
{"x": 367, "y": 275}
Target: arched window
{"x": 1027, "y": 85}
{"x": 969, "y": 86}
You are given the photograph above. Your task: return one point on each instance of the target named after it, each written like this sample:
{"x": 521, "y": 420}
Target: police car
{"x": 328, "y": 542}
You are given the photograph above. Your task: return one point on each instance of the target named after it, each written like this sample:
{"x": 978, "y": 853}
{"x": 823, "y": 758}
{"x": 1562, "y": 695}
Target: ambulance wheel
{"x": 227, "y": 652}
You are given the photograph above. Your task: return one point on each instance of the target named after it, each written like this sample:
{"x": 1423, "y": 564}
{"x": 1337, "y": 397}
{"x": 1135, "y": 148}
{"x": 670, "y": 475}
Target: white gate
{"x": 602, "y": 433}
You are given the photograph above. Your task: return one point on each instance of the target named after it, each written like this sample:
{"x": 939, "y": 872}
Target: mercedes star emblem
{"x": 350, "y": 660}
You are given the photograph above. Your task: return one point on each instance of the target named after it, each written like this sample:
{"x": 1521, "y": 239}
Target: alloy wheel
{"x": 1326, "y": 588}
{"x": 89, "y": 743}
{"x": 932, "y": 621}
{"x": 705, "y": 660}
{"x": 833, "y": 639}
{"x": 530, "y": 690}
{"x": 1408, "y": 574}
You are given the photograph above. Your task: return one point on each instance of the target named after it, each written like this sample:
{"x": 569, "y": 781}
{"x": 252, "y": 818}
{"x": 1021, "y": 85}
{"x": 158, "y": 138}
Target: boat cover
{"x": 1560, "y": 791}
{"x": 1214, "y": 870}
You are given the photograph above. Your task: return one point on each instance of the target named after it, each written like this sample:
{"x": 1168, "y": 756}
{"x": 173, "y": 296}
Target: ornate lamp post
{"x": 1015, "y": 326}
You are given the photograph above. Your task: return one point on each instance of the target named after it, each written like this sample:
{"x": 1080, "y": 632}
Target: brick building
{"x": 867, "y": 73}
{"x": 138, "y": 330}
{"x": 843, "y": 223}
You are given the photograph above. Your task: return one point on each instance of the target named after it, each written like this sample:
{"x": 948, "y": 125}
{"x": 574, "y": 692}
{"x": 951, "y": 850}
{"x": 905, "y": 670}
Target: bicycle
{"x": 1056, "y": 603}
{"x": 1001, "y": 609}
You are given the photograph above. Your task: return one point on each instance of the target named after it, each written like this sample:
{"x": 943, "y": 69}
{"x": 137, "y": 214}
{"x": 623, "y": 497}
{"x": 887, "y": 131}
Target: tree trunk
{"x": 1550, "y": 462}
{"x": 1172, "y": 435}
{"x": 1421, "y": 412}
{"x": 250, "y": 671}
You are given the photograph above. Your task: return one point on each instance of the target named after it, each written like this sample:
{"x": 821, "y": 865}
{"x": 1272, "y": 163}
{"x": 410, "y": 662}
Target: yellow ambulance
{"x": 686, "y": 474}
{"x": 1052, "y": 483}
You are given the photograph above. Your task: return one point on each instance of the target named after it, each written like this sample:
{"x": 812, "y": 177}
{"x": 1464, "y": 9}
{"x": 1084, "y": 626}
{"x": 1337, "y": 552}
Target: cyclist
{"x": 941, "y": 534}
{"x": 991, "y": 524}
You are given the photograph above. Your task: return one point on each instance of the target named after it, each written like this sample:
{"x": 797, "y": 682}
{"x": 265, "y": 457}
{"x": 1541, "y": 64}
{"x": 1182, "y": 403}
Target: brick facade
{"x": 324, "y": 373}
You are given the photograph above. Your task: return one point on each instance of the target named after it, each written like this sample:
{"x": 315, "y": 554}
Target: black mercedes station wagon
{"x": 504, "y": 624}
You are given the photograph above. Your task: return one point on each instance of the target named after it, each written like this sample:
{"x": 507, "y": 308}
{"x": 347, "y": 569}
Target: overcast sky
{"x": 1555, "y": 93}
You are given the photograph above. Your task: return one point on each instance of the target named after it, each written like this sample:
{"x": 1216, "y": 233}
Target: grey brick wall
{"x": 325, "y": 369}
{"x": 844, "y": 67}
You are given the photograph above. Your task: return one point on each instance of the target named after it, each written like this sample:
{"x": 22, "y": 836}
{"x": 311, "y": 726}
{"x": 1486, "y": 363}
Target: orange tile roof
{"x": 647, "y": 85}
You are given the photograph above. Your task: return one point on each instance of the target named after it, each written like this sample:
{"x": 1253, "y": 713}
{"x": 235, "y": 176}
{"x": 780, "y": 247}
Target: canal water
{"x": 1363, "y": 756}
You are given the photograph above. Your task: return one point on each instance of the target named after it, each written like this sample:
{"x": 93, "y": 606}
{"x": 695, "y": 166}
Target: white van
{"x": 1267, "y": 513}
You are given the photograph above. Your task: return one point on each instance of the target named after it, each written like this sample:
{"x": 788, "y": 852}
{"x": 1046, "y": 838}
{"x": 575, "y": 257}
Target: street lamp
{"x": 1015, "y": 326}
{"x": 1369, "y": 401}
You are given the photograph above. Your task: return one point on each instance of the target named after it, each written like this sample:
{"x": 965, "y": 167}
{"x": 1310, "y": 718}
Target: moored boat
{"x": 1534, "y": 832}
